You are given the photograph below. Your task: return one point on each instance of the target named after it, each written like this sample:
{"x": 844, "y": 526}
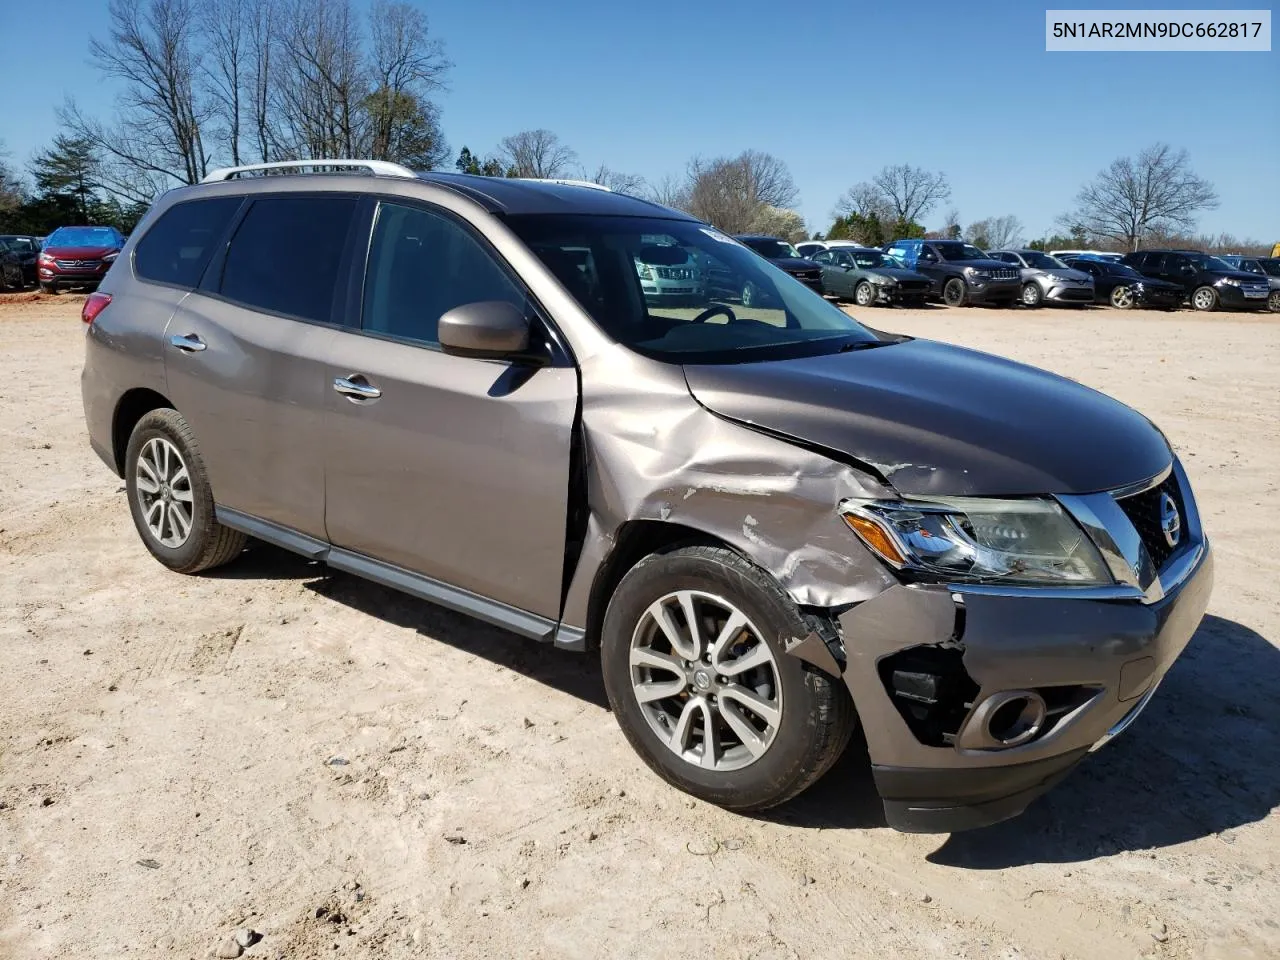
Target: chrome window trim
{"x": 1142, "y": 486}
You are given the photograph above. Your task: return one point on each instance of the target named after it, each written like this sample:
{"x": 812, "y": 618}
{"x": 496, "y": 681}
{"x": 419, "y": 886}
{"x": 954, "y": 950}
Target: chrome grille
{"x": 77, "y": 264}
{"x": 675, "y": 273}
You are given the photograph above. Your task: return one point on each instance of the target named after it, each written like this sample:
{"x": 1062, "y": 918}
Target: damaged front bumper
{"x": 974, "y": 703}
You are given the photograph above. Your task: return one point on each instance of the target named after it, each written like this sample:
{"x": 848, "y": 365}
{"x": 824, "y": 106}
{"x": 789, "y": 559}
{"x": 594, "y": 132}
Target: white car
{"x": 807, "y": 248}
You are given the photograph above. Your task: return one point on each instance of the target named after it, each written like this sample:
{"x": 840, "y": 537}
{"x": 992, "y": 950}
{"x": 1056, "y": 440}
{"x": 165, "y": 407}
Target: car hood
{"x": 982, "y": 264}
{"x": 793, "y": 264}
{"x": 79, "y": 253}
{"x": 1243, "y": 275}
{"x": 935, "y": 419}
{"x": 897, "y": 273}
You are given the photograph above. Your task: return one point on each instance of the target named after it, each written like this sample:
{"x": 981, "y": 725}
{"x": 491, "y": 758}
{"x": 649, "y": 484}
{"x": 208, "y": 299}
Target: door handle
{"x": 356, "y": 388}
{"x": 188, "y": 343}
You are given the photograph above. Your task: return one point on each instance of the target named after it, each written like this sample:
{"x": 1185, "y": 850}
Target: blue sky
{"x": 836, "y": 89}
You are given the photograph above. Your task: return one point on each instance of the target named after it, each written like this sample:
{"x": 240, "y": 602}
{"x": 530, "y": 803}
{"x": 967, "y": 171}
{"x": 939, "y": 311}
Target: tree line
{"x": 204, "y": 83}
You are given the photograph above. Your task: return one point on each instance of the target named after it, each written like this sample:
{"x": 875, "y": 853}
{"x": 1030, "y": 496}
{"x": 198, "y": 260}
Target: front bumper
{"x": 1115, "y": 652}
{"x": 1238, "y": 299}
{"x": 1069, "y": 293}
{"x": 993, "y": 290}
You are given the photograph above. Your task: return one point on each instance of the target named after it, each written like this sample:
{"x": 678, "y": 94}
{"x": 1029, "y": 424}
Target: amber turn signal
{"x": 875, "y": 537}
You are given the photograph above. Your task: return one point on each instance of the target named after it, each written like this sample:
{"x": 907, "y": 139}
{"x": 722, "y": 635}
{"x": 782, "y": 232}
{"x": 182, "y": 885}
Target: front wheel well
{"x": 133, "y": 406}
{"x": 636, "y": 539}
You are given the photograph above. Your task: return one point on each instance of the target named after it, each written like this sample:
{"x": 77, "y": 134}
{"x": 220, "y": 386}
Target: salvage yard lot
{"x": 338, "y": 766}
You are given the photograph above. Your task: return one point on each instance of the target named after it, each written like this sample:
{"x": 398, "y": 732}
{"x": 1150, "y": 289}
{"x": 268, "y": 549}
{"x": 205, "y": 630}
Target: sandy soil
{"x": 354, "y": 773}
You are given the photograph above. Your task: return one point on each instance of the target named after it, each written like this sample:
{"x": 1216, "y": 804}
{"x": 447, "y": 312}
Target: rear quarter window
{"x": 285, "y": 255}
{"x": 178, "y": 247}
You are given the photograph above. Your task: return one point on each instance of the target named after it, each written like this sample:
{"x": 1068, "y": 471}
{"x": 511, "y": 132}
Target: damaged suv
{"x": 771, "y": 522}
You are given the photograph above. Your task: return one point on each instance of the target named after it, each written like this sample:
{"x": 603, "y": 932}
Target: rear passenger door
{"x": 453, "y": 468}
{"x": 246, "y": 353}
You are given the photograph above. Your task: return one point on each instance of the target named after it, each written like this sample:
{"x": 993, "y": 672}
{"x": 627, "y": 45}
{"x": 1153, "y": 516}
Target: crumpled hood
{"x": 937, "y": 419}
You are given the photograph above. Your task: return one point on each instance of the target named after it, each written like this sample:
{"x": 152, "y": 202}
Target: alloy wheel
{"x": 1122, "y": 298}
{"x": 1273, "y": 301}
{"x": 1203, "y": 299}
{"x": 864, "y": 295}
{"x": 705, "y": 680}
{"x": 164, "y": 492}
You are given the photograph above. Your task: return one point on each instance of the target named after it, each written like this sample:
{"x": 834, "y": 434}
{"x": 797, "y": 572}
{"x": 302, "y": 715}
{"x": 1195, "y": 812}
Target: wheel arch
{"x": 132, "y": 407}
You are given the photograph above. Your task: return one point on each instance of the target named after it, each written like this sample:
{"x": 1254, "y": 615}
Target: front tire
{"x": 721, "y": 711}
{"x": 1273, "y": 301}
{"x": 1204, "y": 299}
{"x": 1032, "y": 296}
{"x": 1122, "y": 298}
{"x": 170, "y": 498}
{"x": 954, "y": 292}
{"x": 864, "y": 295}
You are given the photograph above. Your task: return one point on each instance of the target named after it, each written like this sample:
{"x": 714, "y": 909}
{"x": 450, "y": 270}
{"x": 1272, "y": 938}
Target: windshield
{"x": 84, "y": 237}
{"x": 954, "y": 250}
{"x": 1042, "y": 261}
{"x": 1122, "y": 269}
{"x": 722, "y": 305}
{"x": 1212, "y": 264}
{"x": 872, "y": 259}
{"x": 772, "y": 249}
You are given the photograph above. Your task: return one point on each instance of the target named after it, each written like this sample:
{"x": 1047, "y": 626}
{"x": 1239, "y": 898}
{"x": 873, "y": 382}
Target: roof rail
{"x": 379, "y": 168}
{"x": 567, "y": 183}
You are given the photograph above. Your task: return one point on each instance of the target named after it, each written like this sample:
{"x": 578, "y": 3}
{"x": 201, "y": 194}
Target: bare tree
{"x": 10, "y": 183}
{"x": 616, "y": 180}
{"x": 900, "y": 193}
{"x": 226, "y": 40}
{"x": 995, "y": 233}
{"x": 406, "y": 65}
{"x": 158, "y": 134}
{"x": 670, "y": 191}
{"x": 320, "y": 85}
{"x": 536, "y": 153}
{"x": 779, "y": 222}
{"x": 729, "y": 192}
{"x": 262, "y": 46}
{"x": 1154, "y": 192}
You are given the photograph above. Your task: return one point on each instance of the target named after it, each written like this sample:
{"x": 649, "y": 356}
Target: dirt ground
{"x": 354, "y": 773}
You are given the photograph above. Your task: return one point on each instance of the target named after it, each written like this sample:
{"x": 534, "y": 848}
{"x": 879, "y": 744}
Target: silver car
{"x": 770, "y": 522}
{"x": 1047, "y": 279}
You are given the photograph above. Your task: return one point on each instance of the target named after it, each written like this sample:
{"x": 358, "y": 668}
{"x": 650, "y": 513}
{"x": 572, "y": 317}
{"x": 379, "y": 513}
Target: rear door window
{"x": 178, "y": 246}
{"x": 285, "y": 255}
{"x": 423, "y": 264}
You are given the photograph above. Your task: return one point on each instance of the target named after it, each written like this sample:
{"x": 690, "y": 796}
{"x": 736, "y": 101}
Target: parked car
{"x": 1123, "y": 287}
{"x": 867, "y": 277}
{"x": 1262, "y": 266}
{"x": 77, "y": 257}
{"x": 783, "y": 256}
{"x": 960, "y": 273}
{"x": 1086, "y": 254}
{"x": 1048, "y": 279}
{"x": 1207, "y": 281}
{"x": 668, "y": 274}
{"x": 18, "y": 261}
{"x": 772, "y": 524}
{"x": 807, "y": 248}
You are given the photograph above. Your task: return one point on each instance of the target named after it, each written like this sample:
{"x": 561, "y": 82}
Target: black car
{"x": 1207, "y": 281}
{"x": 18, "y": 261}
{"x": 1124, "y": 287}
{"x": 783, "y": 256}
{"x": 959, "y": 272}
{"x": 868, "y": 277}
{"x": 1268, "y": 267}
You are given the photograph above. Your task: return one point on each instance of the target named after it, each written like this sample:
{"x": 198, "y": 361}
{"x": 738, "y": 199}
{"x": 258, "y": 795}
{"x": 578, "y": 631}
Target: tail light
{"x": 93, "y": 306}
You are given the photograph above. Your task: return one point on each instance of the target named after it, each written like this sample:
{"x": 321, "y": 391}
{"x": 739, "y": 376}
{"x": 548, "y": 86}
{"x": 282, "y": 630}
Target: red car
{"x": 77, "y": 256}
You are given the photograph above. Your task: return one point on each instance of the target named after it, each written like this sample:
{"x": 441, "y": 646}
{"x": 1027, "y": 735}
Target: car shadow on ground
{"x": 571, "y": 673}
{"x": 1198, "y": 762}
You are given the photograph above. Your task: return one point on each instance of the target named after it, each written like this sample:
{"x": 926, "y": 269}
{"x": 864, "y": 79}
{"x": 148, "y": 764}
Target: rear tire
{"x": 954, "y": 292}
{"x": 170, "y": 499}
{"x": 808, "y": 716}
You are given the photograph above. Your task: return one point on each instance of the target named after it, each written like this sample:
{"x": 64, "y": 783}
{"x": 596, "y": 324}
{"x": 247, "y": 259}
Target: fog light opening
{"x": 1018, "y": 718}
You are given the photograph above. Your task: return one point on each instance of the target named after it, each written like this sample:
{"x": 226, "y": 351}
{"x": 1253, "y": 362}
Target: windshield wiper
{"x": 865, "y": 345}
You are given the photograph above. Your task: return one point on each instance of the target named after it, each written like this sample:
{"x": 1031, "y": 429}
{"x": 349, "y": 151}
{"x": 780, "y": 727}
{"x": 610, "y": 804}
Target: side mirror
{"x": 489, "y": 329}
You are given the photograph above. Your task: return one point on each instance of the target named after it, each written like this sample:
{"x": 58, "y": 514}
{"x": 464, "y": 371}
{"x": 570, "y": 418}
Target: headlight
{"x": 110, "y": 256}
{"x": 1230, "y": 281}
{"x": 644, "y": 271}
{"x": 1033, "y": 541}
{"x": 1057, "y": 278}
{"x": 884, "y": 281}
